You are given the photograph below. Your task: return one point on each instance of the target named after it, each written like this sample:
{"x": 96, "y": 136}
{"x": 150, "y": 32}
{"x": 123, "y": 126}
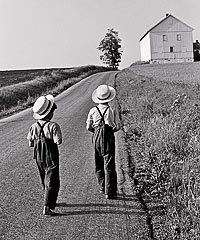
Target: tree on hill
{"x": 111, "y": 49}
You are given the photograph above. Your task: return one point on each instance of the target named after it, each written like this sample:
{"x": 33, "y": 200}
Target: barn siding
{"x": 183, "y": 50}
{"x": 160, "y": 50}
{"x": 145, "y": 48}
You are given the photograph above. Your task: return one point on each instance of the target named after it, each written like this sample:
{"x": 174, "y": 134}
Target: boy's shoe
{"x": 108, "y": 196}
{"x": 47, "y": 211}
{"x": 102, "y": 191}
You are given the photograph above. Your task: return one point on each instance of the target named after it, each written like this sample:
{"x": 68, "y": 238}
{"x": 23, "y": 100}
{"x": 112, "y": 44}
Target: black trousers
{"x": 105, "y": 168}
{"x": 51, "y": 185}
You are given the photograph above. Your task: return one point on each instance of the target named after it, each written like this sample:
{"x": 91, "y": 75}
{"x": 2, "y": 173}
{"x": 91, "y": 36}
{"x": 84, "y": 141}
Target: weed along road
{"x": 82, "y": 212}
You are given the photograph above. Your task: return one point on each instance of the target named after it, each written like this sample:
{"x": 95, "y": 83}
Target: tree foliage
{"x": 111, "y": 49}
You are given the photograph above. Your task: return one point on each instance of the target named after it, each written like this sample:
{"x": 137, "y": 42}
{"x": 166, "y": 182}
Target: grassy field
{"x": 19, "y": 89}
{"x": 160, "y": 111}
{"x": 184, "y": 72}
{"x": 16, "y": 76}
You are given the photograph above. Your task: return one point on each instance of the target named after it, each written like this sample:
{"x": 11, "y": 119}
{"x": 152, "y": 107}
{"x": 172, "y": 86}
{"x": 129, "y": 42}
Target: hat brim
{"x": 38, "y": 116}
{"x": 111, "y": 97}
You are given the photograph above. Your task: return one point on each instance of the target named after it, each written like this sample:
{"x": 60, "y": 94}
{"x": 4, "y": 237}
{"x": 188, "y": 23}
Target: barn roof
{"x": 167, "y": 16}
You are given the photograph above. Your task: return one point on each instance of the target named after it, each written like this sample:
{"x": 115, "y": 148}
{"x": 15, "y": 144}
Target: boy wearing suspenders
{"x": 45, "y": 136}
{"x": 103, "y": 121}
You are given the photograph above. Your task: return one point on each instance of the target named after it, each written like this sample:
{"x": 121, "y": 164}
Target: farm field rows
{"x": 16, "y": 76}
{"x": 159, "y": 108}
{"x": 20, "y": 88}
{"x": 11, "y": 77}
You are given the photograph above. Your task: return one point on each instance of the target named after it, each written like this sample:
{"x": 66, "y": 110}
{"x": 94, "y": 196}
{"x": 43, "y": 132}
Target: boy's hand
{"x": 91, "y": 129}
{"x": 30, "y": 143}
{"x": 116, "y": 128}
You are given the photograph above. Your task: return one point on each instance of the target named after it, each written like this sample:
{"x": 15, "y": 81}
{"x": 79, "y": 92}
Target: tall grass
{"x": 161, "y": 123}
{"x": 23, "y": 94}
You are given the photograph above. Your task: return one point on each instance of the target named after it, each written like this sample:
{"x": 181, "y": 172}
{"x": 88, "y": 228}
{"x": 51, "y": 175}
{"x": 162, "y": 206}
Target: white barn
{"x": 168, "y": 41}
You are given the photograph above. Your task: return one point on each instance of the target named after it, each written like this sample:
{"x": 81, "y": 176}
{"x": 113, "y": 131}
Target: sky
{"x": 66, "y": 33}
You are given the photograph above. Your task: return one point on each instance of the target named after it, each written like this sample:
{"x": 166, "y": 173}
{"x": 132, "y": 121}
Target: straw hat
{"x": 43, "y": 106}
{"x": 103, "y": 94}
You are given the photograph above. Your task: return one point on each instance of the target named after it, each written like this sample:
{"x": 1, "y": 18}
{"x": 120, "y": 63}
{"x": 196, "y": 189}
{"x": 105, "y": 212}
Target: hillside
{"x": 159, "y": 109}
{"x": 20, "y": 88}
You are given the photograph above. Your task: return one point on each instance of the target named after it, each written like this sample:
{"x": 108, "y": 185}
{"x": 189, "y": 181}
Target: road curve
{"x": 82, "y": 212}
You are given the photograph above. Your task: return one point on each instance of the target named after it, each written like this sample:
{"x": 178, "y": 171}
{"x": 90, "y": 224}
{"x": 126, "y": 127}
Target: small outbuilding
{"x": 196, "y": 47}
{"x": 170, "y": 40}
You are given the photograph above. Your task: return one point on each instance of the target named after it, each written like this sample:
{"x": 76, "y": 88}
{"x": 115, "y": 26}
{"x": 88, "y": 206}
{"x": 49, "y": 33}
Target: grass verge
{"x": 161, "y": 125}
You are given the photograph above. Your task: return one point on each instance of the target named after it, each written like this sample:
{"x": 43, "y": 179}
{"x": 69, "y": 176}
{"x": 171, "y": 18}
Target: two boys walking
{"x": 45, "y": 136}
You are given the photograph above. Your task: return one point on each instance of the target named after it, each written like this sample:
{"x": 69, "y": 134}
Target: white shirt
{"x": 111, "y": 117}
{"x": 51, "y": 130}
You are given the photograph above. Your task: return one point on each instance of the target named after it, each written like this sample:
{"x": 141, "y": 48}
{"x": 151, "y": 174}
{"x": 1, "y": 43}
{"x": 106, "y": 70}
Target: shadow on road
{"x": 100, "y": 211}
{"x": 111, "y": 207}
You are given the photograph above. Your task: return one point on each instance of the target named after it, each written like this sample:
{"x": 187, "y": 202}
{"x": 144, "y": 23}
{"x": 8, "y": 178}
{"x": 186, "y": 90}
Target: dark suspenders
{"x": 41, "y": 129}
{"x": 102, "y": 115}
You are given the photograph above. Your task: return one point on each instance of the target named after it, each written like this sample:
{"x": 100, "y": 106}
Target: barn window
{"x": 171, "y": 49}
{"x": 164, "y": 37}
{"x": 178, "y": 37}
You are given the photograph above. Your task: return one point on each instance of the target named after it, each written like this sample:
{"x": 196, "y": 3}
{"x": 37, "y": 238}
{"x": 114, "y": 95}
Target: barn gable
{"x": 169, "y": 23}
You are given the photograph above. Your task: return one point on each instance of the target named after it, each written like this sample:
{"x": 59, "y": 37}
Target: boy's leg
{"x": 99, "y": 170}
{"x": 98, "y": 159}
{"x": 110, "y": 168}
{"x": 42, "y": 174}
{"x": 110, "y": 174}
{"x": 52, "y": 185}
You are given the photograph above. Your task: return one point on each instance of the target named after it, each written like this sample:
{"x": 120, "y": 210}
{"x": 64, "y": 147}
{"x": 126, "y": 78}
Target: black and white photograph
{"x": 99, "y": 120}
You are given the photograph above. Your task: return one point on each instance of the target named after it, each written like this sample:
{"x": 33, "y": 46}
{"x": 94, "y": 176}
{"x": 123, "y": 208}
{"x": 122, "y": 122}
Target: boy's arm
{"x": 89, "y": 122}
{"x": 117, "y": 121}
{"x": 29, "y": 138}
{"x": 57, "y": 135}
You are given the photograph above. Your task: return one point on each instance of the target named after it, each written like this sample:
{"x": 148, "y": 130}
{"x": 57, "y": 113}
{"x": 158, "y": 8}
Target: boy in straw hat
{"x": 103, "y": 121}
{"x": 47, "y": 160}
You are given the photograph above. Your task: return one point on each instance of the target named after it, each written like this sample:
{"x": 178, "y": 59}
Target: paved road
{"x": 82, "y": 212}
